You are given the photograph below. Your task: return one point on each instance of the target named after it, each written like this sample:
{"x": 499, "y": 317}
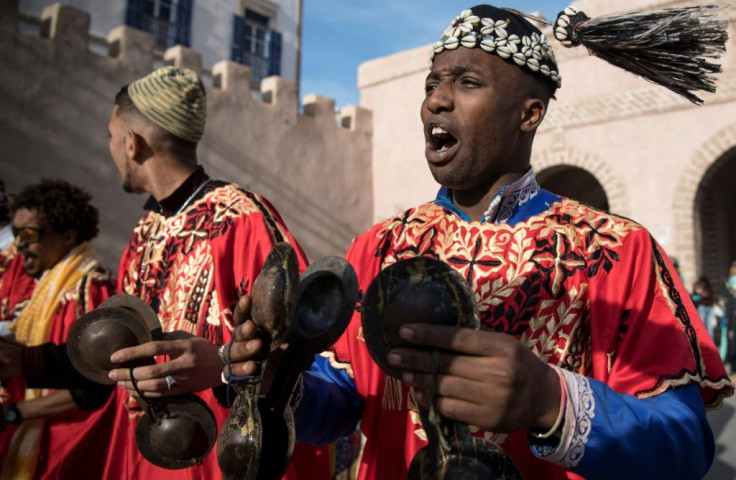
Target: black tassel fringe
{"x": 670, "y": 47}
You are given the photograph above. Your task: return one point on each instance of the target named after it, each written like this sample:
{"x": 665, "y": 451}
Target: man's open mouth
{"x": 440, "y": 139}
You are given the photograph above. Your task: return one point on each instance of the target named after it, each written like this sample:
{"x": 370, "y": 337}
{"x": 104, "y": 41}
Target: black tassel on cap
{"x": 670, "y": 47}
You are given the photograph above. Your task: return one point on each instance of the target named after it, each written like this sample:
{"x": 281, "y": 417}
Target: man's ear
{"x": 69, "y": 237}
{"x": 532, "y": 115}
{"x": 134, "y": 144}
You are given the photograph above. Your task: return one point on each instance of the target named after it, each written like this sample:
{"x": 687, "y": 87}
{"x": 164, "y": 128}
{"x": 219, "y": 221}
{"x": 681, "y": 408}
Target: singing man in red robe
{"x": 590, "y": 360}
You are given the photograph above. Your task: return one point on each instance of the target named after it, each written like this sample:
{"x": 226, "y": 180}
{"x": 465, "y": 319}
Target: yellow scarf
{"x": 33, "y": 327}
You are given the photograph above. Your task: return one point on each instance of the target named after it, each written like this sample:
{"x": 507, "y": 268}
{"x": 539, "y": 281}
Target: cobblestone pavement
{"x": 723, "y": 422}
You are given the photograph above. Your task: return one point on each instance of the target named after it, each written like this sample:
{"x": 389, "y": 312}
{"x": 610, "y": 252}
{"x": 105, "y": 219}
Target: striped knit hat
{"x": 174, "y": 99}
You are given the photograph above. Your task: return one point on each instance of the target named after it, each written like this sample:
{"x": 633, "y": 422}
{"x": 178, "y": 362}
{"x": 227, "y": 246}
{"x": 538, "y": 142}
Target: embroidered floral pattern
{"x": 181, "y": 247}
{"x": 579, "y": 414}
{"x": 583, "y": 407}
{"x": 530, "y": 280}
{"x": 462, "y": 24}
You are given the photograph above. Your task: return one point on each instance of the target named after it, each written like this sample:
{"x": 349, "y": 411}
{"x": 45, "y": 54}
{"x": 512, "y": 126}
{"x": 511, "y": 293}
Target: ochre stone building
{"x": 611, "y": 139}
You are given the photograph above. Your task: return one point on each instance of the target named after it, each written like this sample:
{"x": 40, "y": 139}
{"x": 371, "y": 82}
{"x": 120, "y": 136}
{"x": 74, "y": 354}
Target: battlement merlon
{"x": 65, "y": 24}
{"x": 181, "y": 56}
{"x": 322, "y": 109}
{"x": 132, "y": 47}
{"x": 232, "y": 77}
{"x": 68, "y": 28}
{"x": 282, "y": 95}
{"x": 356, "y": 119}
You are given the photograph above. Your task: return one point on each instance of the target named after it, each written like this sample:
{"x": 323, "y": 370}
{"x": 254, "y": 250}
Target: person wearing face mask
{"x": 728, "y": 333}
{"x": 63, "y": 433}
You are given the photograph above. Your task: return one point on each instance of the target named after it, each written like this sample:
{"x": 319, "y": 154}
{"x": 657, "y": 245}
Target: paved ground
{"x": 723, "y": 422}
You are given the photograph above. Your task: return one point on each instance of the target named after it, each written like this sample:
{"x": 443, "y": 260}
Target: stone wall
{"x": 56, "y": 97}
{"x": 647, "y": 147}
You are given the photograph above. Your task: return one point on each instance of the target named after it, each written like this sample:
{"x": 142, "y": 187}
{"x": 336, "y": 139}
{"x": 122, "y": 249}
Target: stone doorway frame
{"x": 686, "y": 207}
{"x": 614, "y": 188}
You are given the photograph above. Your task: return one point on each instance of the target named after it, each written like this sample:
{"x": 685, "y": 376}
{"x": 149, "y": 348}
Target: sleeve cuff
{"x": 569, "y": 448}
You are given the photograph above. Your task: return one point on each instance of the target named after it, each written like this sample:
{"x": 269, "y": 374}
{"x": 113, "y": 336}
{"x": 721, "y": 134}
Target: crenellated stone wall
{"x": 56, "y": 97}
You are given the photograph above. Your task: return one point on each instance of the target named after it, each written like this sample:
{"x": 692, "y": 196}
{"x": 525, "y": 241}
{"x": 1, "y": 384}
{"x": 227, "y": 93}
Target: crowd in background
{"x": 716, "y": 306}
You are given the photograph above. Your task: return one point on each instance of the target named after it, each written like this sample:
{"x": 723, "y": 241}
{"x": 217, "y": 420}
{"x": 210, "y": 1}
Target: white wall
{"x": 212, "y": 25}
{"x": 212, "y": 30}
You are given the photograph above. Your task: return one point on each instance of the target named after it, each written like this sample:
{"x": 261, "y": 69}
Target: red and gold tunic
{"x": 191, "y": 266}
{"x": 16, "y": 287}
{"x": 73, "y": 444}
{"x": 586, "y": 291}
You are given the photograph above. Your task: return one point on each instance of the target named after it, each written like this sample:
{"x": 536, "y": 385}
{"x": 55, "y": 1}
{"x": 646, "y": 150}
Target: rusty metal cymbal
{"x": 137, "y": 305}
{"x": 274, "y": 293}
{"x": 416, "y": 290}
{"x": 328, "y": 293}
{"x": 177, "y": 432}
{"x": 427, "y": 290}
{"x": 119, "y": 322}
{"x": 274, "y": 296}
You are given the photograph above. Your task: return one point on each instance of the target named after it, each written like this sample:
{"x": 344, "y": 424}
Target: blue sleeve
{"x": 328, "y": 407}
{"x": 615, "y": 436}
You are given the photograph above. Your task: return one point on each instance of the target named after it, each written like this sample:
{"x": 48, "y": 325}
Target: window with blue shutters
{"x": 256, "y": 44}
{"x": 169, "y": 21}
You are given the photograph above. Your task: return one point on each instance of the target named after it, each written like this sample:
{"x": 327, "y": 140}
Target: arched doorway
{"x": 575, "y": 183}
{"x": 715, "y": 219}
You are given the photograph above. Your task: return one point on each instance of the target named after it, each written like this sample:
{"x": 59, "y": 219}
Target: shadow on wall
{"x": 56, "y": 95}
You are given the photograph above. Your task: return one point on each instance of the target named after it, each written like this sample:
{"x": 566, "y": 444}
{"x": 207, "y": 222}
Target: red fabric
{"x": 605, "y": 306}
{"x": 191, "y": 268}
{"x": 15, "y": 289}
{"x": 15, "y": 286}
{"x": 73, "y": 444}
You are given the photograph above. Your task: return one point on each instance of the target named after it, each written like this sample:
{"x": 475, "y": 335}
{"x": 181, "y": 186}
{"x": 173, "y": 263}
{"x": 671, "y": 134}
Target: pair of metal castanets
{"x": 426, "y": 290}
{"x": 309, "y": 314}
{"x": 176, "y": 431}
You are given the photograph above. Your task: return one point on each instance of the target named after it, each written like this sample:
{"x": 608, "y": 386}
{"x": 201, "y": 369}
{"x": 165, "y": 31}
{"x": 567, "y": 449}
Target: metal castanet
{"x": 427, "y": 290}
{"x": 121, "y": 321}
{"x": 274, "y": 297}
{"x": 328, "y": 293}
{"x": 175, "y": 432}
{"x": 310, "y": 313}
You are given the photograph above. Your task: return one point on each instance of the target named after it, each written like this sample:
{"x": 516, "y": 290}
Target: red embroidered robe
{"x": 584, "y": 290}
{"x": 191, "y": 268}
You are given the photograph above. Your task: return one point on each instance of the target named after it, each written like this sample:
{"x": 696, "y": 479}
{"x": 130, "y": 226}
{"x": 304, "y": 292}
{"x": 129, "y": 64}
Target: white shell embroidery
{"x": 462, "y": 24}
{"x": 451, "y": 43}
{"x": 488, "y": 44}
{"x": 470, "y": 40}
{"x": 494, "y": 37}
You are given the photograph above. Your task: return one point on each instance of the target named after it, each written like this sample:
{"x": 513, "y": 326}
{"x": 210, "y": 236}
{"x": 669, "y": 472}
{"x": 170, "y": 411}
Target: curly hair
{"x": 62, "y": 206}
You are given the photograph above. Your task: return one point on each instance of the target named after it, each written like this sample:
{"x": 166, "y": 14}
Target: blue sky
{"x": 339, "y": 35}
